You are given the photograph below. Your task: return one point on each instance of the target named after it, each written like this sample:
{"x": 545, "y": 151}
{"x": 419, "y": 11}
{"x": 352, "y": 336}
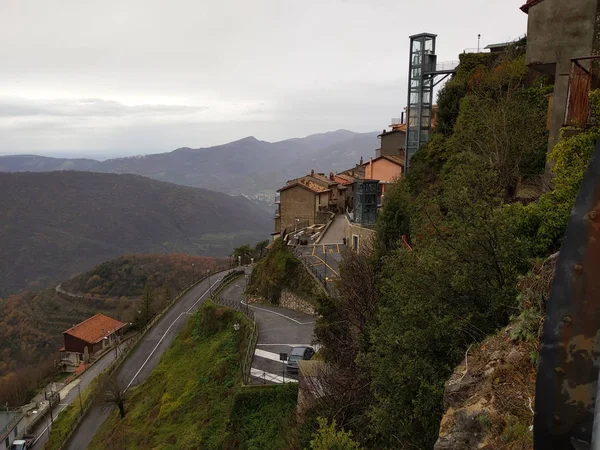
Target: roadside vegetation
{"x": 194, "y": 398}
{"x": 31, "y": 323}
{"x": 477, "y": 210}
{"x": 263, "y": 417}
{"x": 280, "y": 270}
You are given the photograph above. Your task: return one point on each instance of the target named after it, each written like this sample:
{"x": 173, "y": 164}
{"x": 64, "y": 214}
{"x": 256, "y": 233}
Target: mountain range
{"x": 246, "y": 167}
{"x": 57, "y": 224}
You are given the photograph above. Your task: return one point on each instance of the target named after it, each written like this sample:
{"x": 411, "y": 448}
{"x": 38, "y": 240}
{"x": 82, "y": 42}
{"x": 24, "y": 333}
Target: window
{"x": 355, "y": 243}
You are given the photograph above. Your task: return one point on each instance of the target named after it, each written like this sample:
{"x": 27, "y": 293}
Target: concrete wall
{"x": 557, "y": 31}
{"x": 297, "y": 202}
{"x": 357, "y": 235}
{"x": 392, "y": 144}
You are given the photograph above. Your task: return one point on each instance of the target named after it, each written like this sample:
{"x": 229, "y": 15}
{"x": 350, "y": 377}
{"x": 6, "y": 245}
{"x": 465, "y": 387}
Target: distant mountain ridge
{"x": 56, "y": 224}
{"x": 243, "y": 167}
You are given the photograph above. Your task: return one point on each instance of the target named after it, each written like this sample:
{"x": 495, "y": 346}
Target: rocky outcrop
{"x": 292, "y": 301}
{"x": 488, "y": 399}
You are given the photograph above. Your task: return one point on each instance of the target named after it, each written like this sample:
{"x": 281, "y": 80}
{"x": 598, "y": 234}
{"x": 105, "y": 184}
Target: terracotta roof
{"x": 398, "y": 129}
{"x": 529, "y": 4}
{"x": 313, "y": 187}
{"x": 344, "y": 179}
{"x": 95, "y": 328}
{"x": 394, "y": 159}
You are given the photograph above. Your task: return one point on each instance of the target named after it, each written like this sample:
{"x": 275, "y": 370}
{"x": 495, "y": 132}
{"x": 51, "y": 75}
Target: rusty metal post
{"x": 570, "y": 347}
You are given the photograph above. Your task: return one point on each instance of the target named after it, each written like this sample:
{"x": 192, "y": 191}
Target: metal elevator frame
{"x": 422, "y": 73}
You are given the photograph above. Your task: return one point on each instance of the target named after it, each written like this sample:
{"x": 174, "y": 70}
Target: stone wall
{"x": 291, "y": 301}
{"x": 288, "y": 300}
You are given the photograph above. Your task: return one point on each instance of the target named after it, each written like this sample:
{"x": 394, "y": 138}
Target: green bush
{"x": 329, "y": 438}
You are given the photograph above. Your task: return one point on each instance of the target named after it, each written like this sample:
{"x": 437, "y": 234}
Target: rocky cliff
{"x": 489, "y": 400}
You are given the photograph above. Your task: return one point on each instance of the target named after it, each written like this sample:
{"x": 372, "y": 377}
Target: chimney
{"x": 331, "y": 177}
{"x": 312, "y": 173}
{"x": 361, "y": 161}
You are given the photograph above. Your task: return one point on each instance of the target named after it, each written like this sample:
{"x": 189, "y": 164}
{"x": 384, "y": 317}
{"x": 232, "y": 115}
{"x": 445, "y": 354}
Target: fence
{"x": 244, "y": 308}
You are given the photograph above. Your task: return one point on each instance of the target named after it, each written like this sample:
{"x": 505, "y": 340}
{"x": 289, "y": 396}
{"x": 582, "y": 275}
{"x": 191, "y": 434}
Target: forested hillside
{"x": 31, "y": 324}
{"x": 478, "y": 211}
{"x": 57, "y": 224}
{"x": 244, "y": 167}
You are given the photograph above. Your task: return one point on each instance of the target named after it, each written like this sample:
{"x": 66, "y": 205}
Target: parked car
{"x": 22, "y": 444}
{"x": 297, "y": 354}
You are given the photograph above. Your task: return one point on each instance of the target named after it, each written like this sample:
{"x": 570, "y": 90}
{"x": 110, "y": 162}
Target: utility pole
{"x": 80, "y": 402}
{"x": 325, "y": 267}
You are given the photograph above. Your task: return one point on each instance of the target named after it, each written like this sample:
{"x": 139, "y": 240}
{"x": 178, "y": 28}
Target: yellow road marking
{"x": 338, "y": 247}
{"x": 313, "y": 252}
{"x": 323, "y": 248}
{"x": 327, "y": 265}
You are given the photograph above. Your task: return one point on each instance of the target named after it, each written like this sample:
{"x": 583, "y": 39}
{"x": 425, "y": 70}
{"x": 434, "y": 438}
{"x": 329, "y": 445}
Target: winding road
{"x": 145, "y": 357}
{"x": 279, "y": 330}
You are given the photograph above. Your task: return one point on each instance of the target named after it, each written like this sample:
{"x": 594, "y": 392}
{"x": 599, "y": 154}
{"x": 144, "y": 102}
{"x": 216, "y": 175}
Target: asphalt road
{"x": 280, "y": 330}
{"x": 145, "y": 356}
{"x": 41, "y": 430}
{"x": 323, "y": 259}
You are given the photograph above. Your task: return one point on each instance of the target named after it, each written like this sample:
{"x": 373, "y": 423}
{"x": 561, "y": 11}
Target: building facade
{"x": 559, "y": 32}
{"x": 85, "y": 339}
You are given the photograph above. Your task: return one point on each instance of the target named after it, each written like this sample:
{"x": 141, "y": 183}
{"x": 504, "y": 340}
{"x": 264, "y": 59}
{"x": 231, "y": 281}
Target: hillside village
{"x": 428, "y": 333}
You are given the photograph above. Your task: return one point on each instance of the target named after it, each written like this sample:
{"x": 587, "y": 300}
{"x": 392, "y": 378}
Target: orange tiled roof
{"x": 95, "y": 328}
{"x": 344, "y": 179}
{"x": 311, "y": 186}
{"x": 315, "y": 187}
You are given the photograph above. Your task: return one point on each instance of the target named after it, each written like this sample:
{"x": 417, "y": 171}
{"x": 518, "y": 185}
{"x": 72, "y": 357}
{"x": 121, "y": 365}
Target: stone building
{"x": 561, "y": 38}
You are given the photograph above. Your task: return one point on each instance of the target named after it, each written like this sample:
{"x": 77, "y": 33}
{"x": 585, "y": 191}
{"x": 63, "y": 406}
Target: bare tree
{"x": 114, "y": 395}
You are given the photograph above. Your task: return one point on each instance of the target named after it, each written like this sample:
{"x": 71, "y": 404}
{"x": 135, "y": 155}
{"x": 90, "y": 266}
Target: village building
{"x": 9, "y": 428}
{"x": 561, "y": 42}
{"x": 87, "y": 338}
{"x": 385, "y": 169}
{"x": 313, "y": 198}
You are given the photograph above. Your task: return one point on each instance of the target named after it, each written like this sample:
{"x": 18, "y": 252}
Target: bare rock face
{"x": 488, "y": 399}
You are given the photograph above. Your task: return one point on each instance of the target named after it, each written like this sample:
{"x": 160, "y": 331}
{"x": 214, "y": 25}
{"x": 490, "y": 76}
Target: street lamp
{"x": 209, "y": 283}
{"x": 193, "y": 273}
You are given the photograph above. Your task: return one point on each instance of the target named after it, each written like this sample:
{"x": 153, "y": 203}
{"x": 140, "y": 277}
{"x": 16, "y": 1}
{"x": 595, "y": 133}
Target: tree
{"x": 244, "y": 251}
{"x": 260, "y": 249}
{"x": 167, "y": 297}
{"x": 456, "y": 286}
{"x": 114, "y": 395}
{"x": 147, "y": 309}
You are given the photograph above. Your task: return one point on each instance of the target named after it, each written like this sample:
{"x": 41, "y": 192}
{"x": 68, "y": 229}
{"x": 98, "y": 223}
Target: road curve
{"x": 146, "y": 355}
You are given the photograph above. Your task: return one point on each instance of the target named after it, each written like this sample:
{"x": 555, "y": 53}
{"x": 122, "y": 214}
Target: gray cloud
{"x": 91, "y": 107}
{"x": 84, "y": 75}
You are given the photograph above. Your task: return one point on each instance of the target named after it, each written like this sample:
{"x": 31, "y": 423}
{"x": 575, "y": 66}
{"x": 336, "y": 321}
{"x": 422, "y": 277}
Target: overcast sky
{"x": 140, "y": 76}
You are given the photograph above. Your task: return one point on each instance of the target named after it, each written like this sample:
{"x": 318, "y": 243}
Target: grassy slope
{"x": 187, "y": 401}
